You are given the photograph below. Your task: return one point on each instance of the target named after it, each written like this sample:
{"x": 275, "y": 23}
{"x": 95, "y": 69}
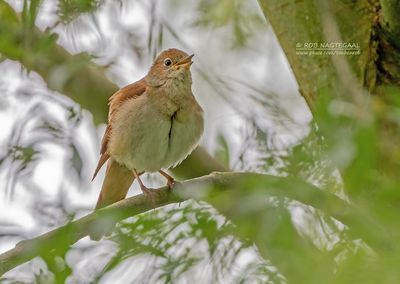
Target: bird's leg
{"x": 170, "y": 180}
{"x": 144, "y": 189}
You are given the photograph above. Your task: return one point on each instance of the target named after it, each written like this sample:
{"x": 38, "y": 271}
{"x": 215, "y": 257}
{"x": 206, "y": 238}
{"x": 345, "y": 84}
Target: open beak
{"x": 185, "y": 62}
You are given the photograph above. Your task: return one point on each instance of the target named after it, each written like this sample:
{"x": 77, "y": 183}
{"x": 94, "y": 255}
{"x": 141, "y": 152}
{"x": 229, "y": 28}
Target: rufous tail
{"x": 116, "y": 184}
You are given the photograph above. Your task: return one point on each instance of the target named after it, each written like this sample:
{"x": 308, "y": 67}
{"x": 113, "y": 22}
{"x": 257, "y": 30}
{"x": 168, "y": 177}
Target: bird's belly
{"x": 147, "y": 140}
{"x": 183, "y": 138}
{"x": 139, "y": 137}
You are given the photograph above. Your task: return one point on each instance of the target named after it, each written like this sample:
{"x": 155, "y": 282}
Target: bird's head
{"x": 172, "y": 64}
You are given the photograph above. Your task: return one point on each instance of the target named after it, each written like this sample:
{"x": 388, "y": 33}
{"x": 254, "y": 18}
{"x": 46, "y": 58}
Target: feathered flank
{"x": 131, "y": 91}
{"x": 118, "y": 178}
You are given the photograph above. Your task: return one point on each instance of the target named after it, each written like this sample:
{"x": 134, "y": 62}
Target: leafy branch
{"x": 225, "y": 191}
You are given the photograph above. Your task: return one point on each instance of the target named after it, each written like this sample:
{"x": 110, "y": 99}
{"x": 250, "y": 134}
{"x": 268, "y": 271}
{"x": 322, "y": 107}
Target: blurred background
{"x": 61, "y": 60}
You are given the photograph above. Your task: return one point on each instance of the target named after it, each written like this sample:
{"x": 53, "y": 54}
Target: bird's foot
{"x": 146, "y": 191}
{"x": 170, "y": 180}
{"x": 150, "y": 195}
{"x": 170, "y": 183}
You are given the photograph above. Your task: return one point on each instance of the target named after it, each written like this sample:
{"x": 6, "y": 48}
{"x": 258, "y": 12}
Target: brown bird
{"x": 153, "y": 124}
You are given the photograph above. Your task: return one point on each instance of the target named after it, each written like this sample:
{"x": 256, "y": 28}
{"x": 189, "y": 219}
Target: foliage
{"x": 236, "y": 14}
{"x": 70, "y": 10}
{"x": 279, "y": 232}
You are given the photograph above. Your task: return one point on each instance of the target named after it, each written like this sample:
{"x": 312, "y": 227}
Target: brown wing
{"x": 131, "y": 91}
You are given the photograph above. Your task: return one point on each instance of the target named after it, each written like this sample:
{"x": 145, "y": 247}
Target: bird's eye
{"x": 167, "y": 62}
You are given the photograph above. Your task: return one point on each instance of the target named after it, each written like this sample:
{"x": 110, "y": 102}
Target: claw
{"x": 170, "y": 180}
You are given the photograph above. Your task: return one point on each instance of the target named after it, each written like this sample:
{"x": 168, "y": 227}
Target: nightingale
{"x": 153, "y": 124}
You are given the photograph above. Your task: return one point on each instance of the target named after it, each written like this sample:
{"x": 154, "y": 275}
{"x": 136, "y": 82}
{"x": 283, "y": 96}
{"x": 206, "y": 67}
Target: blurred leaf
{"x": 234, "y": 13}
{"x": 69, "y": 10}
{"x": 9, "y": 46}
{"x": 222, "y": 151}
{"x": 29, "y": 13}
{"x": 23, "y": 154}
{"x": 7, "y": 13}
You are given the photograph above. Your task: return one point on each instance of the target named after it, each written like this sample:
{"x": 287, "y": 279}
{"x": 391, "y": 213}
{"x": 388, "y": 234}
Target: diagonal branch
{"x": 78, "y": 229}
{"x": 225, "y": 191}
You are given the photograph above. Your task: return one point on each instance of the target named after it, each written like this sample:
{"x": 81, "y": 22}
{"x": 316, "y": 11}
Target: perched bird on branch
{"x": 153, "y": 124}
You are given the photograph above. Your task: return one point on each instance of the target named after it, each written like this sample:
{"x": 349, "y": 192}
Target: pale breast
{"x": 187, "y": 126}
{"x": 146, "y": 139}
